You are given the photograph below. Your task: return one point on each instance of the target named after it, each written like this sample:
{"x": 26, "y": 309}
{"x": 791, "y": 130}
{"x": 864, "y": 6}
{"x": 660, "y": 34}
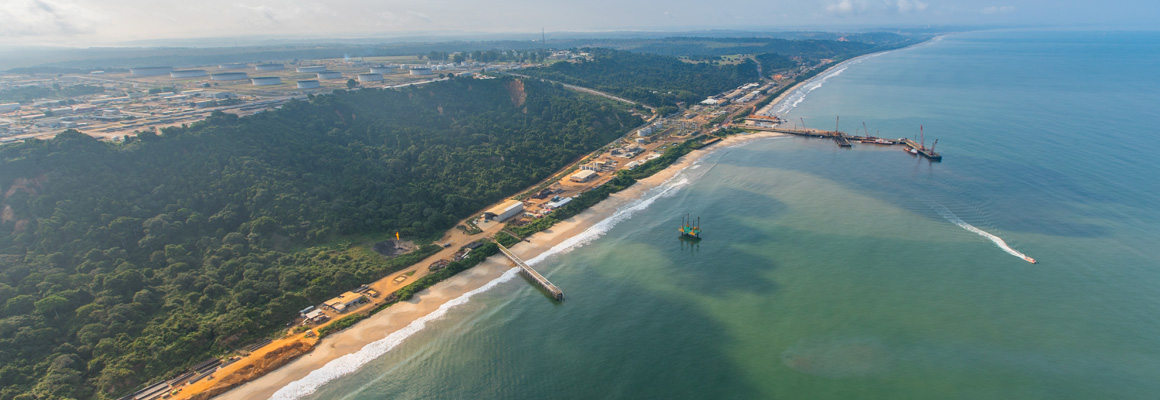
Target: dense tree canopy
{"x": 651, "y": 79}
{"x": 123, "y": 263}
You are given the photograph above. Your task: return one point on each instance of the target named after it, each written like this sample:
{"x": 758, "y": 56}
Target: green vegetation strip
{"x": 506, "y": 239}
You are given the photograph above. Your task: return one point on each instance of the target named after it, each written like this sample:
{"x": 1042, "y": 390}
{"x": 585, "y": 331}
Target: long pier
{"x": 531, "y": 273}
{"x": 843, "y": 140}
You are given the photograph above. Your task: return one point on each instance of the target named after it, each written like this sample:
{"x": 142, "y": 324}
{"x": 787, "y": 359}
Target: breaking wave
{"x": 352, "y": 362}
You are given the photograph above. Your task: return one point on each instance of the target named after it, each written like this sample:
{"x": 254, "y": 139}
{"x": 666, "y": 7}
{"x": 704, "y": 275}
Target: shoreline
{"x": 821, "y": 74}
{"x": 403, "y": 315}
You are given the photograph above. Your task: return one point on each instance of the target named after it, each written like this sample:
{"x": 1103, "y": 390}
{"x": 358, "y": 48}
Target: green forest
{"x": 651, "y": 79}
{"x": 122, "y": 263}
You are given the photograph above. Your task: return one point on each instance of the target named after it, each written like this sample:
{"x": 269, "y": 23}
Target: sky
{"x": 109, "y": 22}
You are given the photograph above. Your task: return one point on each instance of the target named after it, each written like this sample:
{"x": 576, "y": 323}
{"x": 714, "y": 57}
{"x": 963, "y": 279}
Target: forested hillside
{"x": 651, "y": 79}
{"x": 121, "y": 263}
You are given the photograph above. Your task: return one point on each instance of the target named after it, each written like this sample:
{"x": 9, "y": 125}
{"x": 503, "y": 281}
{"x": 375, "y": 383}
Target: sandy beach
{"x": 400, "y": 315}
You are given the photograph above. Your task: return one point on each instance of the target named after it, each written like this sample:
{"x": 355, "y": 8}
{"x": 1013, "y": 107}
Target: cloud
{"x": 860, "y": 7}
{"x": 998, "y": 9}
{"x": 23, "y": 18}
{"x": 844, "y": 7}
{"x": 905, "y": 6}
{"x": 390, "y": 18}
{"x": 418, "y": 15}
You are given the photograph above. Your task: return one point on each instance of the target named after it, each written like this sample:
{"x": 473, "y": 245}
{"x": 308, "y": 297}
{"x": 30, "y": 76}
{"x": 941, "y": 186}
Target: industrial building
{"x": 551, "y": 206}
{"x": 311, "y": 69}
{"x": 9, "y": 107}
{"x": 370, "y": 77}
{"x": 308, "y": 84}
{"x": 421, "y": 71}
{"x": 329, "y": 75}
{"x": 583, "y": 176}
{"x": 233, "y": 66}
{"x": 228, "y": 76}
{"x": 150, "y": 71}
{"x": 593, "y": 166}
{"x": 382, "y": 70}
{"x": 269, "y": 67}
{"x": 345, "y": 301}
{"x": 187, "y": 73}
{"x": 266, "y": 81}
{"x": 505, "y": 210}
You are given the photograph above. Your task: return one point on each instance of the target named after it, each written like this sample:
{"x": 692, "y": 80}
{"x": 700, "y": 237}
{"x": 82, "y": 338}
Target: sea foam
{"x": 352, "y": 362}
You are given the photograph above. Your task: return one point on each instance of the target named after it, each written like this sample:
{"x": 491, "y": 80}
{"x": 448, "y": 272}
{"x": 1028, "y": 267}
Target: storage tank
{"x": 266, "y": 81}
{"x": 370, "y": 77}
{"x": 309, "y": 84}
{"x": 188, "y": 73}
{"x": 228, "y": 76}
{"x": 312, "y": 69}
{"x": 150, "y": 71}
{"x": 269, "y": 67}
{"x": 233, "y": 66}
{"x": 330, "y": 75}
{"x": 382, "y": 70}
{"x": 420, "y": 71}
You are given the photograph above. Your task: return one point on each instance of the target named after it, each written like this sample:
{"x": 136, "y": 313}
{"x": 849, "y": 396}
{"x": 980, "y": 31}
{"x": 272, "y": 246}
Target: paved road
{"x": 587, "y": 90}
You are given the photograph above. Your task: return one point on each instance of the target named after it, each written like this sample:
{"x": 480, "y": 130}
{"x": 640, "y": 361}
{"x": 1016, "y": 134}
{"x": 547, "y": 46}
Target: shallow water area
{"x": 834, "y": 273}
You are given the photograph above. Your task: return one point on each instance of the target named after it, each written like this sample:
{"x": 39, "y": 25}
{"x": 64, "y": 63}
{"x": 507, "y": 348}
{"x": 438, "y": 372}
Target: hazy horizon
{"x": 83, "y": 23}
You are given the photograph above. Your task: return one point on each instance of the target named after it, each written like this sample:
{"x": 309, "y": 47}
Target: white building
{"x": 308, "y": 84}
{"x": 150, "y": 71}
{"x": 329, "y": 75}
{"x": 188, "y": 73}
{"x": 370, "y": 77}
{"x": 233, "y": 66}
{"x": 382, "y": 70}
{"x": 312, "y": 69}
{"x": 269, "y": 67}
{"x": 421, "y": 71}
{"x": 228, "y": 76}
{"x": 583, "y": 176}
{"x": 345, "y": 301}
{"x": 505, "y": 210}
{"x": 266, "y": 81}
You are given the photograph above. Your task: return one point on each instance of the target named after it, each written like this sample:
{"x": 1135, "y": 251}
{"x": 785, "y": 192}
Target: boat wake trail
{"x": 945, "y": 213}
{"x": 350, "y": 363}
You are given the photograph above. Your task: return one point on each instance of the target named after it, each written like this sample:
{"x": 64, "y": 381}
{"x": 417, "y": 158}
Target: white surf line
{"x": 945, "y": 213}
{"x": 350, "y": 363}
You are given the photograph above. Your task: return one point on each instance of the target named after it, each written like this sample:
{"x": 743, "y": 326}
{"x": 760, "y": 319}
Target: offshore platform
{"x": 688, "y": 230}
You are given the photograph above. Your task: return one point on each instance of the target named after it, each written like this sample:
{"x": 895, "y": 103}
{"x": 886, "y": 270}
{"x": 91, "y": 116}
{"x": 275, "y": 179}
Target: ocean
{"x": 869, "y": 273}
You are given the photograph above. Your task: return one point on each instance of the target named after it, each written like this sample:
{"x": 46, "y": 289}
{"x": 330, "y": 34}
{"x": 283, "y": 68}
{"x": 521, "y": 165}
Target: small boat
{"x": 883, "y": 141}
{"x": 911, "y": 150}
{"x": 1030, "y": 260}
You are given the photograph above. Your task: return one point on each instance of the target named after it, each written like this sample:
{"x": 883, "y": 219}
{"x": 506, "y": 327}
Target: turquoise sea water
{"x": 831, "y": 273}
